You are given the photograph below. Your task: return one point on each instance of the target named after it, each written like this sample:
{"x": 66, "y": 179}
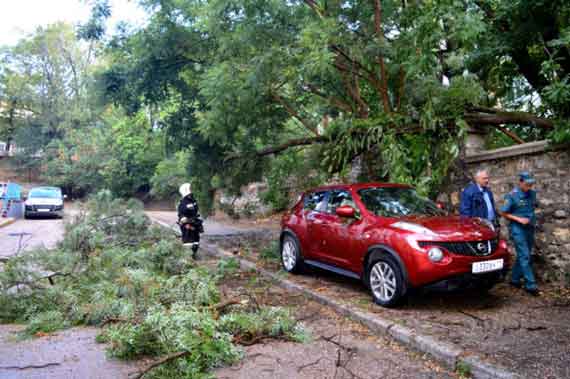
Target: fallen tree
{"x": 139, "y": 284}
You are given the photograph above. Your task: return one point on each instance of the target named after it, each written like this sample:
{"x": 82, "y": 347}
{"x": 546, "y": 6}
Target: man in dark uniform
{"x": 477, "y": 199}
{"x": 189, "y": 218}
{"x": 519, "y": 210}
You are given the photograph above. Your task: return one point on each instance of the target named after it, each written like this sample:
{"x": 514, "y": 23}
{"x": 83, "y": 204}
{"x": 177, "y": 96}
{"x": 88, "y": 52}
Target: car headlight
{"x": 435, "y": 254}
{"x": 411, "y": 227}
{"x": 487, "y": 223}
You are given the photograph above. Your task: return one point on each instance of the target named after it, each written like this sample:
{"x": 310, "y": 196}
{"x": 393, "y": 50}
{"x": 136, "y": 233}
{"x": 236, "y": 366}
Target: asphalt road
{"x": 72, "y": 353}
{"x": 26, "y": 235}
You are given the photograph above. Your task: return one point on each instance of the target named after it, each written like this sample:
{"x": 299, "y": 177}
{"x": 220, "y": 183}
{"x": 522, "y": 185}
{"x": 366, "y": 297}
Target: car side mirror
{"x": 345, "y": 211}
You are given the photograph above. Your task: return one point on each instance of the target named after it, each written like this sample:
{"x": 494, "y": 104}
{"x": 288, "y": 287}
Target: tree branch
{"x": 512, "y": 135}
{"x": 401, "y": 88}
{"x": 294, "y": 113}
{"x": 333, "y": 100}
{"x": 383, "y": 75}
{"x": 500, "y": 117}
{"x": 315, "y": 7}
{"x": 279, "y": 148}
{"x": 351, "y": 84}
{"x": 161, "y": 361}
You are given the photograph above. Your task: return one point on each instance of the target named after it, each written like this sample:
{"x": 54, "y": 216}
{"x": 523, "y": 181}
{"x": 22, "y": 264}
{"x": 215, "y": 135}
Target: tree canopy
{"x": 268, "y": 88}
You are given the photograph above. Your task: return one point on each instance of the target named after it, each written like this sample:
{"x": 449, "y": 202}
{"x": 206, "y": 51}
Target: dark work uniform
{"x": 190, "y": 221}
{"x": 522, "y": 204}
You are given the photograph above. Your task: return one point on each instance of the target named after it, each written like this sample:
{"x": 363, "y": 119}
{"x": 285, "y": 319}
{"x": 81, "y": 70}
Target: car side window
{"x": 338, "y": 198}
{"x": 316, "y": 201}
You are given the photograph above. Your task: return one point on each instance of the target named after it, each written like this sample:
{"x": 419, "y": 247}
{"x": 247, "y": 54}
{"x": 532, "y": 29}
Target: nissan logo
{"x": 482, "y": 247}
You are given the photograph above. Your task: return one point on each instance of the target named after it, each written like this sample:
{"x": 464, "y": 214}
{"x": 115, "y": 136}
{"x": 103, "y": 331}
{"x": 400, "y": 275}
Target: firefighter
{"x": 191, "y": 224}
{"x": 519, "y": 210}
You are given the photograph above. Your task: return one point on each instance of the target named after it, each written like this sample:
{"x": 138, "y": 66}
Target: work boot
{"x": 532, "y": 291}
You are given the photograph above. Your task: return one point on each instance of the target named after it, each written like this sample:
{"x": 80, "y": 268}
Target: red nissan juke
{"x": 392, "y": 239}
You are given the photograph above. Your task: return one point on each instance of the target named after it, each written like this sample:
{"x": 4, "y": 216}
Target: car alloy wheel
{"x": 290, "y": 254}
{"x": 385, "y": 282}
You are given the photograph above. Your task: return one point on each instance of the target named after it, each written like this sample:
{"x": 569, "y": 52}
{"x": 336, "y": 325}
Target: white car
{"x": 44, "y": 201}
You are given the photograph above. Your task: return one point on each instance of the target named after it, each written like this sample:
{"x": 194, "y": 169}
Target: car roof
{"x": 358, "y": 186}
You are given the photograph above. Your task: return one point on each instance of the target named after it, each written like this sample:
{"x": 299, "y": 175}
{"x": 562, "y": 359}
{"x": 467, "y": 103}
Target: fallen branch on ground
{"x": 220, "y": 306}
{"x": 472, "y": 316}
{"x": 301, "y": 368}
{"x": 30, "y": 366}
{"x": 258, "y": 339}
{"x": 55, "y": 274}
{"x": 113, "y": 320}
{"x": 161, "y": 361}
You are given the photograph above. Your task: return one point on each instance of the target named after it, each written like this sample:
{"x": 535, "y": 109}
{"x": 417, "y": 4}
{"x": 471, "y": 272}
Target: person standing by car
{"x": 519, "y": 210}
{"x": 189, "y": 219}
{"x": 477, "y": 199}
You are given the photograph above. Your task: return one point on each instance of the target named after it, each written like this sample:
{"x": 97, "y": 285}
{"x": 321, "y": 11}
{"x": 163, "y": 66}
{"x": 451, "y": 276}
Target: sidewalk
{"x": 494, "y": 334}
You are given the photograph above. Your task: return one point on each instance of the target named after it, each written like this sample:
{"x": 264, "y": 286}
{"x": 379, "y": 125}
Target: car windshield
{"x": 44, "y": 193}
{"x": 397, "y": 202}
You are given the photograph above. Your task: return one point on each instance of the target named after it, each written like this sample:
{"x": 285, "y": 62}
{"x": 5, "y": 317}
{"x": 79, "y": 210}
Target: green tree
{"x": 44, "y": 90}
{"x": 393, "y": 83}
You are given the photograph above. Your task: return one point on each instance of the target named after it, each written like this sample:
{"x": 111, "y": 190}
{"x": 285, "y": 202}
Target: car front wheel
{"x": 386, "y": 282}
{"x": 291, "y": 255}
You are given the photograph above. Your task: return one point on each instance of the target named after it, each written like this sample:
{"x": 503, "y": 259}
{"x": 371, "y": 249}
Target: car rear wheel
{"x": 386, "y": 282}
{"x": 291, "y": 255}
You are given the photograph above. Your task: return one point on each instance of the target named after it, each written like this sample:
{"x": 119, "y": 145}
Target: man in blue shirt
{"x": 477, "y": 199}
{"x": 519, "y": 210}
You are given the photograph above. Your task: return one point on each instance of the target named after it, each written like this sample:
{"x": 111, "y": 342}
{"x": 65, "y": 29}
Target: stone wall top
{"x": 507, "y": 152}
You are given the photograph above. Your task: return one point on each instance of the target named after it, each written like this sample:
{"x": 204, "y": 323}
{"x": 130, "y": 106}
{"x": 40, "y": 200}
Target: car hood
{"x": 454, "y": 227}
{"x": 44, "y": 201}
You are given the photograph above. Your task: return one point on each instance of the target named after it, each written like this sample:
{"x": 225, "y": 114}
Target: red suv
{"x": 392, "y": 239}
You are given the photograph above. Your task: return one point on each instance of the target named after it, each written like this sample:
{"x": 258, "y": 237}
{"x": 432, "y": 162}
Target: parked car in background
{"x": 392, "y": 239}
{"x": 44, "y": 201}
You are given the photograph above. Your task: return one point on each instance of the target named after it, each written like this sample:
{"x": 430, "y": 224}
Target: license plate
{"x": 44, "y": 210}
{"x": 486, "y": 266}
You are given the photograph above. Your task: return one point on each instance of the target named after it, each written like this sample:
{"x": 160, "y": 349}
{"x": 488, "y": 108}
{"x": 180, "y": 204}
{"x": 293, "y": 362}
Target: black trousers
{"x": 189, "y": 235}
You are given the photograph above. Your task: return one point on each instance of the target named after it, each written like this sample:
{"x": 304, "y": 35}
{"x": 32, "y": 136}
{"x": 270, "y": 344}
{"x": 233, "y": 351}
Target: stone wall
{"x": 247, "y": 205}
{"x": 551, "y": 169}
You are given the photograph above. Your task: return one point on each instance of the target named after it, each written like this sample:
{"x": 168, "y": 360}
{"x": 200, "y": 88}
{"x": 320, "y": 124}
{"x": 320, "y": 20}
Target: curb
{"x": 450, "y": 355}
{"x": 7, "y": 221}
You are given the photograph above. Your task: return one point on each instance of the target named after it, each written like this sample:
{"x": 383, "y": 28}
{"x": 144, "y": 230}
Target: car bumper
{"x": 58, "y": 213}
{"x": 453, "y": 266}
{"x": 469, "y": 280}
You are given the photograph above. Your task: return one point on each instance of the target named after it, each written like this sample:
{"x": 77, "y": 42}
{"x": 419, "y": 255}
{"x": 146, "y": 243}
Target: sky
{"x": 21, "y": 17}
